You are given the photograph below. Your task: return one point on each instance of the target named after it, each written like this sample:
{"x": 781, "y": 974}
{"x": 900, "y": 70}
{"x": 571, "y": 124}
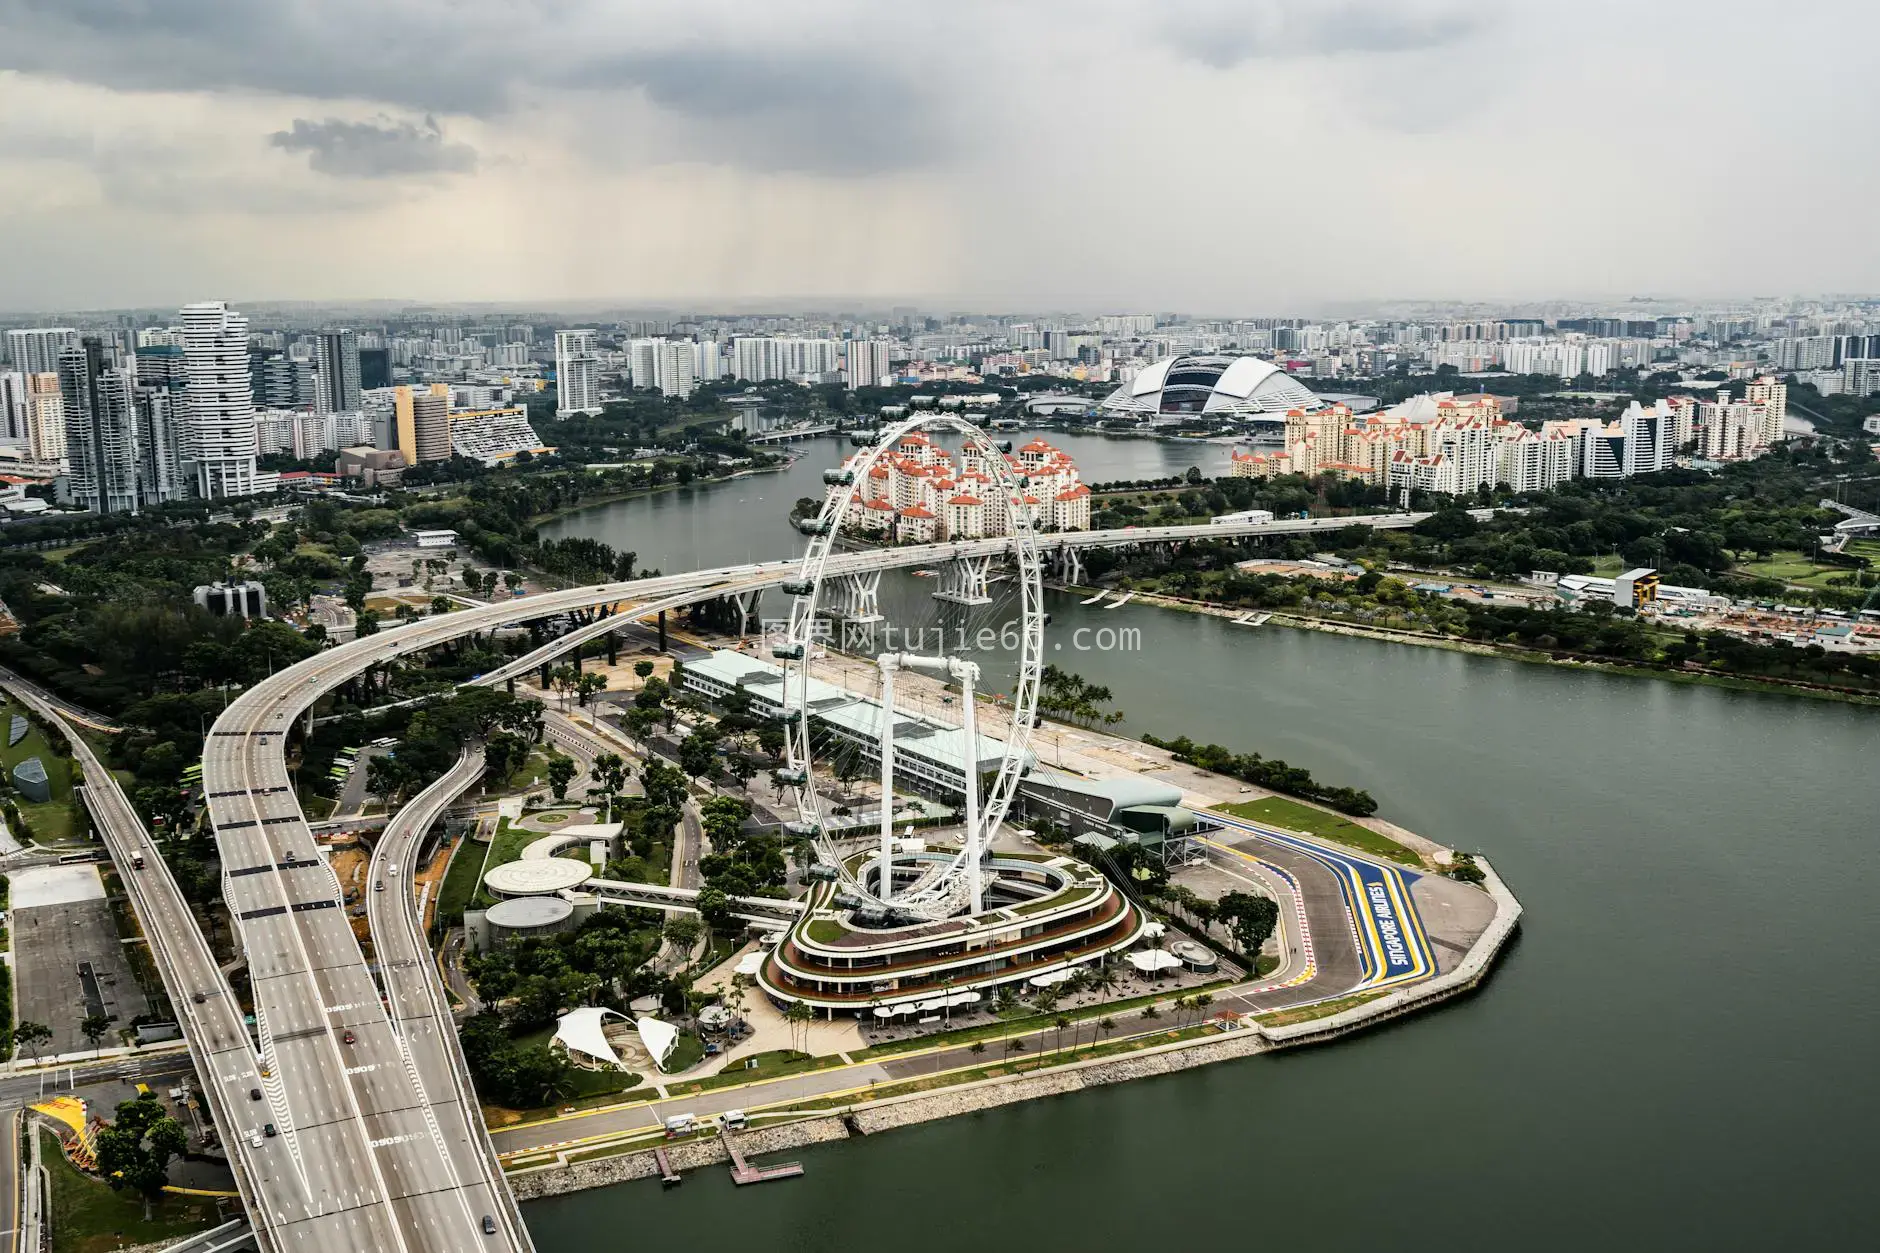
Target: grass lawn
{"x": 533, "y": 772}
{"x": 825, "y": 930}
{"x": 1028, "y": 1020}
{"x": 460, "y": 881}
{"x": 1868, "y": 548}
{"x": 88, "y": 1217}
{"x": 772, "y": 1065}
{"x": 54, "y": 820}
{"x": 506, "y": 847}
{"x": 688, "y": 1052}
{"x": 1794, "y": 567}
{"x": 1306, "y": 1013}
{"x": 1609, "y": 565}
{"x": 1019, "y": 1063}
{"x": 1293, "y": 816}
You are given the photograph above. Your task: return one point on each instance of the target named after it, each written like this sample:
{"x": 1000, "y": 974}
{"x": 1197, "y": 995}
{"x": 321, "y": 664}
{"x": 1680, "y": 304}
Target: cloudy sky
{"x": 1215, "y": 156}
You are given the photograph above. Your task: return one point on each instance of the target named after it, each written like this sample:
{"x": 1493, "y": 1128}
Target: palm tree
{"x": 1106, "y": 1025}
{"x": 1202, "y": 1001}
{"x": 799, "y": 1016}
{"x": 1063, "y": 1021}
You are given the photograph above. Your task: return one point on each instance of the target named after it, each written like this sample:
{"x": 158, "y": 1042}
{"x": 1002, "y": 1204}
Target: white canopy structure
{"x": 750, "y": 964}
{"x": 1149, "y": 961}
{"x": 1154, "y": 930}
{"x": 583, "y": 1031}
{"x": 658, "y": 1037}
{"x": 1050, "y": 978}
{"x": 932, "y": 1005}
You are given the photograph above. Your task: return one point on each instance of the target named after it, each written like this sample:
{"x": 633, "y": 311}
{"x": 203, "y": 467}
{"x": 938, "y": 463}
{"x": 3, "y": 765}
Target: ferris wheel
{"x": 939, "y": 888}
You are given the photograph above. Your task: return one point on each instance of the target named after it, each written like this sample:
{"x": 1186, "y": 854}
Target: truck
{"x": 137, "y": 860}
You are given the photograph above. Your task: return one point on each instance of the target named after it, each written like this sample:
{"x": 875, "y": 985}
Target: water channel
{"x": 1678, "y": 1051}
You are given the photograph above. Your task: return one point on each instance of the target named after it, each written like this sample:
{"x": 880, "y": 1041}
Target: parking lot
{"x": 68, "y": 962}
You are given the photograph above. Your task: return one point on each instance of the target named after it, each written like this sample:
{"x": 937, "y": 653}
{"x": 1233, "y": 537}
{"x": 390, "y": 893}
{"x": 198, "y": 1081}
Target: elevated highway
{"x": 420, "y": 1015}
{"x": 212, "y": 1020}
{"x": 377, "y": 1143}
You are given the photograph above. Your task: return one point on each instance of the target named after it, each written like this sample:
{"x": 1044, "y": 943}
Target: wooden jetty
{"x": 742, "y": 1172}
{"x": 667, "y": 1175}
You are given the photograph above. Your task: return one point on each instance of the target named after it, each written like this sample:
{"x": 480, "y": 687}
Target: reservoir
{"x": 1677, "y": 1051}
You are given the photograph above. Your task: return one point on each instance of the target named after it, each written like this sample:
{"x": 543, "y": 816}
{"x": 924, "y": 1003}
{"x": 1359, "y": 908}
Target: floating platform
{"x": 1251, "y": 619}
{"x": 742, "y": 1172}
{"x": 1118, "y": 604}
{"x": 1094, "y": 599}
{"x": 668, "y": 1177}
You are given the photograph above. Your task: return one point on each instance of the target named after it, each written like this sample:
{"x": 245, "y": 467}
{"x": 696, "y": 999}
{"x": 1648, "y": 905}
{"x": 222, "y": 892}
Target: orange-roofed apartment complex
{"x": 920, "y": 493}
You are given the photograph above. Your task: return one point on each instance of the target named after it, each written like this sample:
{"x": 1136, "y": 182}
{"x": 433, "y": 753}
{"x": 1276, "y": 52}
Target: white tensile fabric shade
{"x": 1151, "y": 960}
{"x": 658, "y": 1037}
{"x": 580, "y": 1031}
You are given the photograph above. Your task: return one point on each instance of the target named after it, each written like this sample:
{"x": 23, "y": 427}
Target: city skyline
{"x": 972, "y": 157}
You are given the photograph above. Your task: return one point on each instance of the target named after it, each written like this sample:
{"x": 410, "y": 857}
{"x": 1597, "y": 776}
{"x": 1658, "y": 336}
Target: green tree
{"x": 1250, "y": 918}
{"x": 644, "y": 669}
{"x": 136, "y": 1149}
{"x": 698, "y": 753}
{"x": 94, "y": 1027}
{"x": 30, "y": 1035}
{"x": 561, "y": 771}
{"x": 715, "y": 908}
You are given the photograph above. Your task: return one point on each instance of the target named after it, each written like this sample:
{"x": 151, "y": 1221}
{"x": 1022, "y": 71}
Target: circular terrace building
{"x": 528, "y": 915}
{"x": 541, "y": 876}
{"x": 1043, "y": 914}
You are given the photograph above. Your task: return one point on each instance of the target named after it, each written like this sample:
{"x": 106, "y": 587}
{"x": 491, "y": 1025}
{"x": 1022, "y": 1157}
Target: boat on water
{"x": 926, "y": 574}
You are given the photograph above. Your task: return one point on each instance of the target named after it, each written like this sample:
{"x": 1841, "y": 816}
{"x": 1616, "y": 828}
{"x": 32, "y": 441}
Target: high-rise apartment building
{"x": 45, "y": 418}
{"x": 285, "y": 383}
{"x": 577, "y": 372}
{"x": 219, "y": 404}
{"x": 35, "y": 350}
{"x": 668, "y": 366}
{"x": 159, "y": 469}
{"x": 1860, "y": 376}
{"x": 336, "y": 372}
{"x": 15, "y": 417}
{"x": 100, "y": 429}
{"x": 423, "y": 423}
{"x": 375, "y": 368}
{"x": 868, "y": 362}
{"x": 757, "y": 358}
{"x": 160, "y": 365}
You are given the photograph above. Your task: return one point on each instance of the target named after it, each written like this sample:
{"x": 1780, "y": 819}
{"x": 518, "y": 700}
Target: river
{"x": 1677, "y": 1052}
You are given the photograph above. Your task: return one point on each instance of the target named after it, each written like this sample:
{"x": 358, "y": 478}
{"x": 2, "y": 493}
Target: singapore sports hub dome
{"x": 1226, "y": 387}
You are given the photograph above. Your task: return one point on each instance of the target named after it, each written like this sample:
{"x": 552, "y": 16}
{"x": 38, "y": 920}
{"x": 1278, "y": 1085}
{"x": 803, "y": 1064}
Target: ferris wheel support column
{"x": 969, "y": 762}
{"x": 889, "y": 663}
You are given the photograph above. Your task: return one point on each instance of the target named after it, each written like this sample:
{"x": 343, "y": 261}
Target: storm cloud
{"x": 1232, "y": 156}
{"x": 380, "y": 147}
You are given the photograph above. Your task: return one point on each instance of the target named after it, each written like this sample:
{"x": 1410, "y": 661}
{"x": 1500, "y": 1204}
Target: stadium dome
{"x": 1233, "y": 387}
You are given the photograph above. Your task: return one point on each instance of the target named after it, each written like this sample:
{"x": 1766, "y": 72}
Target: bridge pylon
{"x": 966, "y": 581}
